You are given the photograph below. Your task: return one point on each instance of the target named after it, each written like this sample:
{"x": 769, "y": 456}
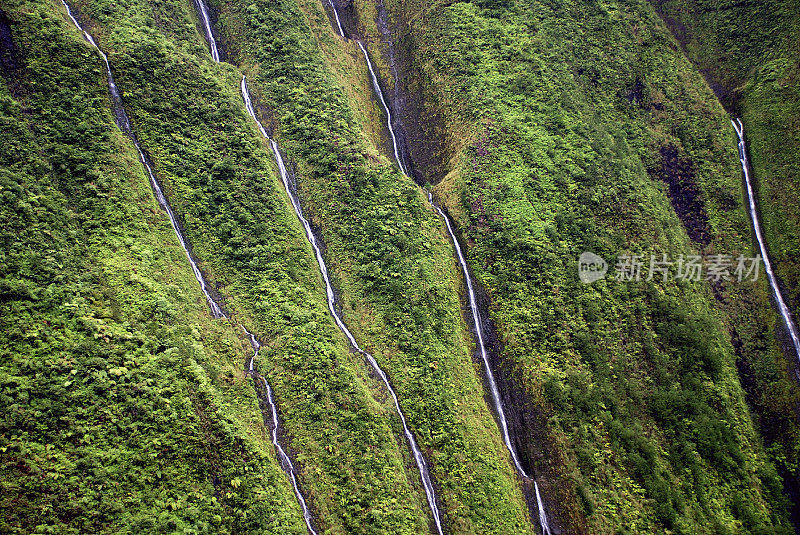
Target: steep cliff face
{"x": 543, "y": 129}
{"x": 595, "y": 133}
{"x": 384, "y": 245}
{"x": 749, "y": 54}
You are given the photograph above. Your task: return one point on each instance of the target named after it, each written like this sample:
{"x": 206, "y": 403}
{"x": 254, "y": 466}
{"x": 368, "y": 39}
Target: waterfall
{"x": 378, "y": 92}
{"x": 336, "y": 15}
{"x": 418, "y": 458}
{"x": 542, "y": 515}
{"x": 498, "y": 404}
{"x": 286, "y": 461}
{"x": 124, "y": 124}
{"x": 751, "y": 201}
{"x": 206, "y": 21}
{"x": 476, "y": 318}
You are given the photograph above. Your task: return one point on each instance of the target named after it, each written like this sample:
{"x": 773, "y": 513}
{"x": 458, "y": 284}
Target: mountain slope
{"x": 563, "y": 120}
{"x": 544, "y": 129}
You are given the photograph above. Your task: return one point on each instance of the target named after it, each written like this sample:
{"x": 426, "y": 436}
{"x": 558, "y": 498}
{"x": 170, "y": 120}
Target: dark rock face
{"x": 423, "y": 139}
{"x": 9, "y": 53}
{"x": 684, "y": 194}
{"x": 636, "y": 92}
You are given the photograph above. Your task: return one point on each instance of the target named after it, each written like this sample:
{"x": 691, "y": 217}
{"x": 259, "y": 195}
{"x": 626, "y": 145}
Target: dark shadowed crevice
{"x": 9, "y": 53}
{"x": 684, "y": 193}
{"x": 418, "y": 116}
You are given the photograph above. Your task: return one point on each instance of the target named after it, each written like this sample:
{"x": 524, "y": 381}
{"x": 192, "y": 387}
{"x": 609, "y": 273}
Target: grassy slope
{"x": 393, "y": 266}
{"x": 208, "y": 154}
{"x": 749, "y": 52}
{"x": 638, "y": 379}
{"x": 124, "y": 407}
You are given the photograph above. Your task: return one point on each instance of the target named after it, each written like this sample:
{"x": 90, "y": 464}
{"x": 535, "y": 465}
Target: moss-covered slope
{"x": 581, "y": 126}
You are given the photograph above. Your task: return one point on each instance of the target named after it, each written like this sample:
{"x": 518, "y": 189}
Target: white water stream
{"x": 206, "y": 21}
{"x": 498, "y": 404}
{"x": 124, "y": 124}
{"x": 286, "y": 462}
{"x": 773, "y": 282}
{"x": 422, "y": 465}
{"x": 379, "y": 93}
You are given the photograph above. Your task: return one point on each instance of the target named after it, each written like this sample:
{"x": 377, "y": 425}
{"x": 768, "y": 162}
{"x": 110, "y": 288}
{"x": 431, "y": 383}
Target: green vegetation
{"x": 124, "y": 407}
{"x": 189, "y": 117}
{"x": 573, "y": 114}
{"x": 546, "y": 128}
{"x": 386, "y": 251}
{"x": 749, "y": 53}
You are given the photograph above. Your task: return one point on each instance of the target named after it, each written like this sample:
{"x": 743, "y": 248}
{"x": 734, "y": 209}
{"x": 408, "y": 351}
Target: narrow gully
{"x": 495, "y": 392}
{"x": 479, "y": 335}
{"x": 751, "y": 202}
{"x": 286, "y": 462}
{"x": 206, "y": 21}
{"x": 123, "y": 122}
{"x": 422, "y": 464}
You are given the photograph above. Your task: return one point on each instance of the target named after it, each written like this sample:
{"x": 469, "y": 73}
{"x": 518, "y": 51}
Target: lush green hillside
{"x": 124, "y": 404}
{"x": 385, "y": 247}
{"x": 237, "y": 218}
{"x": 749, "y": 52}
{"x": 572, "y": 127}
{"x": 545, "y": 128}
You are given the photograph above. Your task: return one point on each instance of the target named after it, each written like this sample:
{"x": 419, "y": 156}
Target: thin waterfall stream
{"x": 751, "y": 202}
{"x": 206, "y": 21}
{"x": 286, "y": 461}
{"x": 498, "y": 403}
{"x": 124, "y": 124}
{"x": 479, "y": 335}
{"x": 422, "y": 464}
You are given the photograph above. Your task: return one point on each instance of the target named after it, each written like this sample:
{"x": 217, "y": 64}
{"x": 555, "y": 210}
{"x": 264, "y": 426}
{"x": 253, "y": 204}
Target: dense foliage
{"x": 749, "y": 53}
{"x": 545, "y": 128}
{"x": 572, "y": 115}
{"x": 123, "y": 403}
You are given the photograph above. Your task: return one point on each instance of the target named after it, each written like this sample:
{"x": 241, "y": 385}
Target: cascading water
{"x": 374, "y": 79}
{"x": 206, "y": 21}
{"x": 751, "y": 201}
{"x": 124, "y": 124}
{"x": 121, "y": 118}
{"x": 378, "y": 92}
{"x": 418, "y": 458}
{"x": 473, "y": 305}
{"x": 286, "y": 462}
{"x": 336, "y": 16}
{"x": 498, "y": 404}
